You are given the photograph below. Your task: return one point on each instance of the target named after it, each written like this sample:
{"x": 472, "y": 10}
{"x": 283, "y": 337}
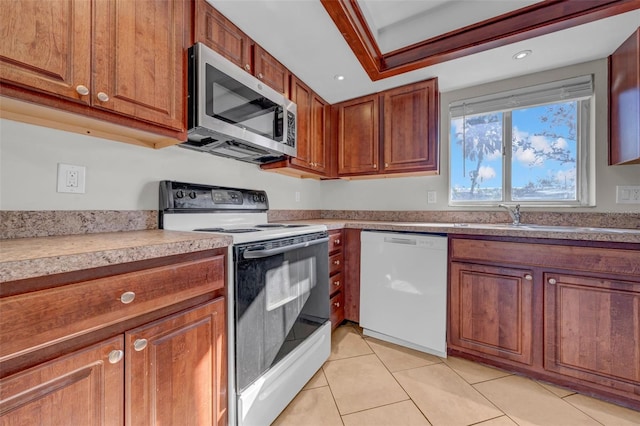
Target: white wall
{"x": 121, "y": 176}
{"x": 124, "y": 177}
{"x": 411, "y": 193}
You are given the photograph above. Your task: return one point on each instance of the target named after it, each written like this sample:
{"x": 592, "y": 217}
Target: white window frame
{"x": 578, "y": 89}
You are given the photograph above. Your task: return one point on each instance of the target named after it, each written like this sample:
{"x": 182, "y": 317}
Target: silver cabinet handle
{"x": 103, "y": 97}
{"x": 127, "y": 297}
{"x": 336, "y": 262}
{"x": 552, "y": 281}
{"x": 140, "y": 344}
{"x": 528, "y": 277}
{"x": 115, "y": 356}
{"x": 336, "y": 283}
{"x": 82, "y": 90}
{"x": 337, "y": 242}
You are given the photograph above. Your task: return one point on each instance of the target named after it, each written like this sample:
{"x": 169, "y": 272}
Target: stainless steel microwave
{"x": 233, "y": 114}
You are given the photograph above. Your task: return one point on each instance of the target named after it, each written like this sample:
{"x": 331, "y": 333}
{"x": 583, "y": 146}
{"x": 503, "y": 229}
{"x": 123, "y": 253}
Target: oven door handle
{"x": 257, "y": 254}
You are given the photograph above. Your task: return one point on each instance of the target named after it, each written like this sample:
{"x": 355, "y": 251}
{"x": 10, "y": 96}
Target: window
{"x": 527, "y": 146}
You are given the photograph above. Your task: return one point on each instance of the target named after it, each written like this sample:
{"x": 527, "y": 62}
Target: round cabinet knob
{"x": 375, "y": 166}
{"x": 336, "y": 262}
{"x": 386, "y": 164}
{"x": 103, "y": 97}
{"x": 115, "y": 356}
{"x": 179, "y": 193}
{"x": 82, "y": 90}
{"x": 260, "y": 76}
{"x": 337, "y": 242}
{"x": 140, "y": 344}
{"x": 552, "y": 281}
{"x": 247, "y": 67}
{"x": 336, "y": 304}
{"x": 528, "y": 277}
{"x": 127, "y": 297}
{"x": 336, "y": 283}
{"x": 193, "y": 195}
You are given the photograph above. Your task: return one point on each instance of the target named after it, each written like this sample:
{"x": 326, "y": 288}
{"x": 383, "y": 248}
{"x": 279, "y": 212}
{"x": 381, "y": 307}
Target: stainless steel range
{"x": 278, "y": 294}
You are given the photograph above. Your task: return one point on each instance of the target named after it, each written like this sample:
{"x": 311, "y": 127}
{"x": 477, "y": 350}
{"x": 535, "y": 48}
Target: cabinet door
{"x": 410, "y": 128}
{"x": 624, "y": 108}
{"x": 83, "y": 388}
{"x": 358, "y": 136}
{"x": 139, "y": 60}
{"x": 491, "y": 311}
{"x": 176, "y": 372}
{"x": 46, "y": 46}
{"x": 268, "y": 69}
{"x": 217, "y": 32}
{"x": 319, "y": 134}
{"x": 592, "y": 330}
{"x": 301, "y": 94}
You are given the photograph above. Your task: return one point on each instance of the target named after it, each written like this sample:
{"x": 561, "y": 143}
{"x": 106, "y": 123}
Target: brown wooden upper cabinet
{"x": 403, "y": 140}
{"x": 359, "y": 136}
{"x": 313, "y": 142}
{"x": 624, "y": 102}
{"x": 98, "y": 57}
{"x": 221, "y": 35}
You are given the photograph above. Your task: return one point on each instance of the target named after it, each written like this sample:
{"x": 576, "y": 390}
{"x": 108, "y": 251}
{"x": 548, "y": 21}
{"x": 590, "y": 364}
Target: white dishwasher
{"x": 403, "y": 289}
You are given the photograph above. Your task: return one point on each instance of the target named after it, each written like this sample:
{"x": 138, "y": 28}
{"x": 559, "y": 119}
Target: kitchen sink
{"x": 545, "y": 228}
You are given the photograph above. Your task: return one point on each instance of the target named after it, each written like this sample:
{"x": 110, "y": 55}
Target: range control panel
{"x": 184, "y": 196}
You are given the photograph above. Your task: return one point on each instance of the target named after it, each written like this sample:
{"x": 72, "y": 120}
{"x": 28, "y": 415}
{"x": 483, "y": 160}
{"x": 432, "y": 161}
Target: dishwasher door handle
{"x": 395, "y": 240}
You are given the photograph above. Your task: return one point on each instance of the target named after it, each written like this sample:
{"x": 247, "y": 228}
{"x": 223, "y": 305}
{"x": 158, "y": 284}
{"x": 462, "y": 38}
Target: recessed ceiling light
{"x": 522, "y": 54}
{"x": 338, "y": 77}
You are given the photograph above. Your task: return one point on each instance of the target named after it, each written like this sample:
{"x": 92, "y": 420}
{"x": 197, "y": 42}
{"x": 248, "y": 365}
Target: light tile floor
{"x": 368, "y": 382}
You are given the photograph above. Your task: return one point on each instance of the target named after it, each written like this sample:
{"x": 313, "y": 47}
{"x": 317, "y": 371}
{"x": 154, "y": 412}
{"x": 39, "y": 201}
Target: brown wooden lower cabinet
{"x": 352, "y": 274}
{"x": 567, "y": 312}
{"x": 175, "y": 369}
{"x": 336, "y": 283}
{"x": 82, "y": 388}
{"x": 73, "y": 362}
{"x": 492, "y": 310}
{"x": 592, "y": 329}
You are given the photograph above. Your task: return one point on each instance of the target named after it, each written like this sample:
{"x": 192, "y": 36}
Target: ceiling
{"x": 301, "y": 35}
{"x": 399, "y": 23}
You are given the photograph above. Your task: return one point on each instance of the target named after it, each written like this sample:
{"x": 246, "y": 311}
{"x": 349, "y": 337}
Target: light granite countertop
{"x": 503, "y": 230}
{"x": 33, "y": 257}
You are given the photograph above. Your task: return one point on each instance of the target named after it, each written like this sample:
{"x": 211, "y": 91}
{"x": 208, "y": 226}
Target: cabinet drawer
{"x": 335, "y": 242}
{"x": 33, "y": 320}
{"x": 335, "y": 263}
{"x": 337, "y": 309}
{"x": 335, "y": 283}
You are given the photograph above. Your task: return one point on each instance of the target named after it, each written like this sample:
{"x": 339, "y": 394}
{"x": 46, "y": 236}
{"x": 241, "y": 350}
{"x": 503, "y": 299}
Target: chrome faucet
{"x": 514, "y": 212}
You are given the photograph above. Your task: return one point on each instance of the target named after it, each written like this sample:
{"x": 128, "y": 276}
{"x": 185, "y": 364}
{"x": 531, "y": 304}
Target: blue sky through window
{"x": 543, "y": 155}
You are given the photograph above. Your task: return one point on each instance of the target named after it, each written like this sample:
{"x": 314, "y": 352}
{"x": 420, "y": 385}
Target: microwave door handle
{"x": 257, "y": 254}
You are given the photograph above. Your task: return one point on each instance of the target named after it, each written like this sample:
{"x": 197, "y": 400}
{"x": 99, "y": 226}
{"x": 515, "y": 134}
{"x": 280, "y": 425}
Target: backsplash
{"x": 27, "y": 224}
{"x": 46, "y": 223}
{"x": 601, "y": 220}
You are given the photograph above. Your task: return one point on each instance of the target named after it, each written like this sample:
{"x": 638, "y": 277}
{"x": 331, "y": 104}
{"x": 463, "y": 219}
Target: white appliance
{"x": 279, "y": 333}
{"x": 403, "y": 289}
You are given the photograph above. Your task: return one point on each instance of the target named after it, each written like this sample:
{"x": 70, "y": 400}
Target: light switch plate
{"x": 628, "y": 194}
{"x": 71, "y": 178}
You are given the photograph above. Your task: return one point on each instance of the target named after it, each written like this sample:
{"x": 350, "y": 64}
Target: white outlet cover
{"x": 432, "y": 197}
{"x": 75, "y": 185}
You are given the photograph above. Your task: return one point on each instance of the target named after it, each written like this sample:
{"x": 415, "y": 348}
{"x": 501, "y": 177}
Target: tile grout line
{"x": 399, "y": 384}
